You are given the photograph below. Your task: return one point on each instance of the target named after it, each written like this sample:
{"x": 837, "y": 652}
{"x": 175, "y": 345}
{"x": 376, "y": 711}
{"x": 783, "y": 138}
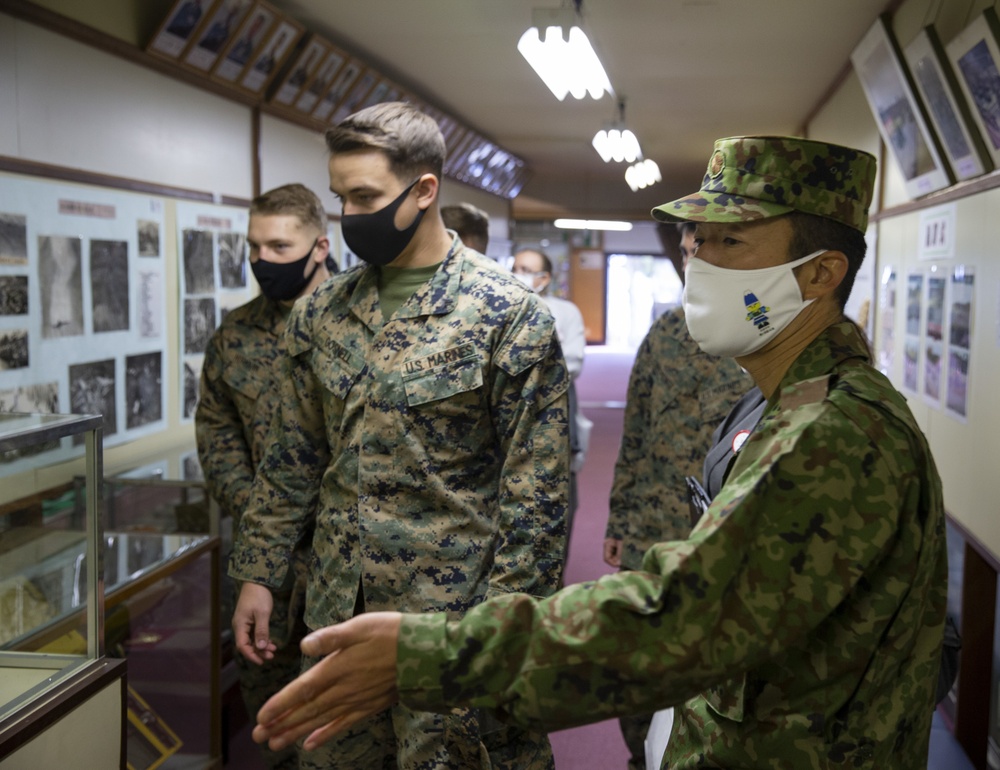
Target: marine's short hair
{"x": 294, "y": 200}
{"x": 811, "y": 232}
{"x": 471, "y": 223}
{"x": 410, "y": 139}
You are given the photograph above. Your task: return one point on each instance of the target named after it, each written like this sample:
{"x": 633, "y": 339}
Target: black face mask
{"x": 374, "y": 237}
{"x": 282, "y": 281}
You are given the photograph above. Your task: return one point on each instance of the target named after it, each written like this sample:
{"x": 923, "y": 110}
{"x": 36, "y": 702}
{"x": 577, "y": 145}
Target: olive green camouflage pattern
{"x": 677, "y": 394}
{"x": 799, "y": 626}
{"x": 238, "y": 397}
{"x": 755, "y": 177}
{"x": 430, "y": 449}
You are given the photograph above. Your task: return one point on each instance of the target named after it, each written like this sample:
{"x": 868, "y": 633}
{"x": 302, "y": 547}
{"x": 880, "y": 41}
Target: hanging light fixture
{"x": 564, "y": 58}
{"x": 615, "y": 142}
{"x": 643, "y": 174}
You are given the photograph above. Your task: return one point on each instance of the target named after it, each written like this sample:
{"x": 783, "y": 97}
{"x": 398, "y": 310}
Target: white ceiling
{"x": 691, "y": 71}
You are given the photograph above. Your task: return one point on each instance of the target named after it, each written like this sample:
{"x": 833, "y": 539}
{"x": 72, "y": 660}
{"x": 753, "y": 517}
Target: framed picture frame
{"x": 280, "y": 44}
{"x": 305, "y": 64}
{"x": 975, "y": 54}
{"x": 246, "y": 43}
{"x": 179, "y": 26}
{"x": 211, "y": 38}
{"x": 335, "y": 92}
{"x": 316, "y": 86}
{"x": 898, "y": 113}
{"x": 356, "y": 96}
{"x": 946, "y": 107}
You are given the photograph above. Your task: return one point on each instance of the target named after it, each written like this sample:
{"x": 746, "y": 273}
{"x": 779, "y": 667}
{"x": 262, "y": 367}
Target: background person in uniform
{"x": 677, "y": 394}
{"x": 422, "y": 430}
{"x": 800, "y": 623}
{"x": 534, "y": 269}
{"x": 471, "y": 223}
{"x": 239, "y": 395}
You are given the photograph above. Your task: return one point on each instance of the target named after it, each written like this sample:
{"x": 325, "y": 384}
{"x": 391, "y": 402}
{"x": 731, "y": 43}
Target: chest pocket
{"x": 425, "y": 386}
{"x": 247, "y": 376}
{"x": 337, "y": 374}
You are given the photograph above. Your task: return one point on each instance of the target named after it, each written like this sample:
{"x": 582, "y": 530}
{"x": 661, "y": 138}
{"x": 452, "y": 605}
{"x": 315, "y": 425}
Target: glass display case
{"x": 31, "y": 599}
{"x": 157, "y": 600}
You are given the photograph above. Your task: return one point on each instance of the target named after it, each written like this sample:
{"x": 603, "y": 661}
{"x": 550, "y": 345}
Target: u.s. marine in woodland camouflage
{"x": 423, "y": 430}
{"x": 800, "y": 625}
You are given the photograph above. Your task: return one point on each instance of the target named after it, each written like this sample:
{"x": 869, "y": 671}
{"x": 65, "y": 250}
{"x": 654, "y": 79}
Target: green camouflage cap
{"x": 754, "y": 177}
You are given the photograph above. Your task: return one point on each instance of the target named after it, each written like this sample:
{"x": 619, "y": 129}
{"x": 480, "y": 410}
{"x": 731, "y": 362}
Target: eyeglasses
{"x": 532, "y": 273}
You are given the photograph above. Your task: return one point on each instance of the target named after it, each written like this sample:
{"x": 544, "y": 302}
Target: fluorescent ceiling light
{"x": 643, "y": 174}
{"x": 592, "y": 224}
{"x": 617, "y": 145}
{"x": 565, "y": 61}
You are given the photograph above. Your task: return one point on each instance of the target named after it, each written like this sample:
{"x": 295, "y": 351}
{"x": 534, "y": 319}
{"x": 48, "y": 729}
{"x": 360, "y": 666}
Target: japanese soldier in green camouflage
{"x": 421, "y": 433}
{"x": 800, "y": 624}
{"x": 239, "y": 395}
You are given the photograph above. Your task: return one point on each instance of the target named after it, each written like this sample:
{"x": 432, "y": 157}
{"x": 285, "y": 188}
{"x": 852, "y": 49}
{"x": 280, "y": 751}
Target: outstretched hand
{"x": 355, "y": 680}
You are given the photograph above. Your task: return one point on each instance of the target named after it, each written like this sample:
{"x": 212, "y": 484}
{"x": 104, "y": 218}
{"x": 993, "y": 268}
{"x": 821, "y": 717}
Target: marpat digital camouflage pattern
{"x": 755, "y": 177}
{"x": 238, "y": 397}
{"x": 431, "y": 450}
{"x": 677, "y": 395}
{"x": 800, "y": 624}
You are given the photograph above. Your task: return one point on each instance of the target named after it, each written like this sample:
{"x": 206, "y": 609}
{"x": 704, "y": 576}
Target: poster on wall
{"x": 960, "y": 342}
{"x": 82, "y": 307}
{"x": 214, "y": 279}
{"x": 887, "y": 305}
{"x": 911, "y": 345}
{"x": 934, "y": 339}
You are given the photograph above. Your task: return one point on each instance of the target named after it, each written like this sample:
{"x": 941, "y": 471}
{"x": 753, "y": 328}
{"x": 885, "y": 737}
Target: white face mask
{"x": 735, "y": 312}
{"x": 528, "y": 279}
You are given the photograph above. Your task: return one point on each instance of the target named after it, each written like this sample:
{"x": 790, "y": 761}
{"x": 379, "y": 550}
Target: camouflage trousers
{"x": 634, "y": 729}
{"x": 258, "y": 683}
{"x": 464, "y": 739}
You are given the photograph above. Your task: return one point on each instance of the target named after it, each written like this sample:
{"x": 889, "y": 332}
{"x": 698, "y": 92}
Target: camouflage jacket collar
{"x": 436, "y": 297}
{"x": 838, "y": 343}
{"x": 268, "y": 315}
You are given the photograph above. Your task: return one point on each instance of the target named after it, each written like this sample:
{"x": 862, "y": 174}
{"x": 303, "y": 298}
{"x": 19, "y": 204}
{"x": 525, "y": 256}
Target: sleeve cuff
{"x": 421, "y": 658}
{"x": 257, "y": 565}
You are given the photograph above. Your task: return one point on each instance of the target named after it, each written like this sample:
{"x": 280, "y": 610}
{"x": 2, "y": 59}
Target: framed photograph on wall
{"x": 975, "y": 52}
{"x": 212, "y": 37}
{"x": 897, "y": 111}
{"x": 344, "y": 79}
{"x": 246, "y": 44}
{"x": 319, "y": 82}
{"x": 946, "y": 107}
{"x": 277, "y": 48}
{"x": 179, "y": 27}
{"x": 306, "y": 63}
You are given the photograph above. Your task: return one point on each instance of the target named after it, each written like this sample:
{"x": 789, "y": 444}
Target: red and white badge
{"x": 739, "y": 439}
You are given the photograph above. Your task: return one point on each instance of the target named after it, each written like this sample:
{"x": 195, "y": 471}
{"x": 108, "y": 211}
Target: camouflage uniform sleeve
{"x": 778, "y": 552}
{"x": 223, "y": 451}
{"x": 530, "y": 405}
{"x": 286, "y": 487}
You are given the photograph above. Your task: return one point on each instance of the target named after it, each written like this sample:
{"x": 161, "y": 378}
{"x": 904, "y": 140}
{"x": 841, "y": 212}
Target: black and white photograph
{"x": 13, "y": 349}
{"x": 191, "y": 377}
{"x": 13, "y": 295}
{"x": 30, "y": 399}
{"x": 60, "y": 276}
{"x": 148, "y": 235}
{"x": 232, "y": 261}
{"x": 92, "y": 391}
{"x": 199, "y": 323}
{"x": 150, "y": 304}
{"x": 191, "y": 468}
{"x": 109, "y": 285}
{"x": 13, "y": 239}
{"x": 199, "y": 276}
{"x": 143, "y": 389}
